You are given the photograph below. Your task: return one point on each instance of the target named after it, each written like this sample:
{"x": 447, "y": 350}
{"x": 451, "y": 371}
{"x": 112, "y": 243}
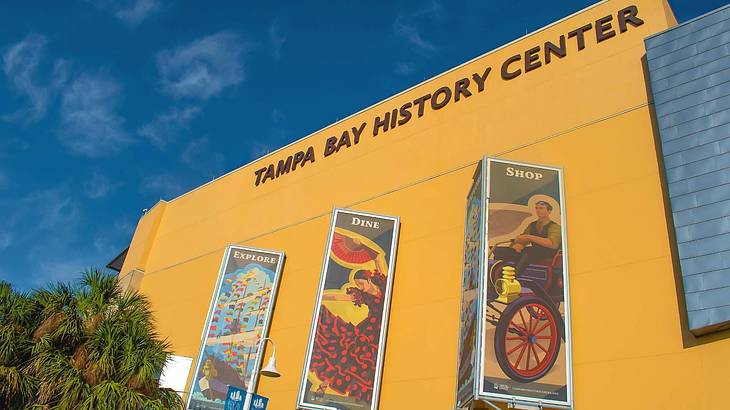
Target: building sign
{"x": 522, "y": 64}
{"x": 237, "y": 320}
{"x": 525, "y": 317}
{"x": 346, "y": 344}
{"x": 471, "y": 272}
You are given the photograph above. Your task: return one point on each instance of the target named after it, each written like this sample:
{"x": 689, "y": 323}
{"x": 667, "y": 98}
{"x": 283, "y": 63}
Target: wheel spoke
{"x": 544, "y": 337}
{"x": 515, "y": 348}
{"x": 523, "y": 319}
{"x": 540, "y": 346}
{"x": 517, "y": 327}
{"x": 527, "y": 362}
{"x": 515, "y": 338}
{"x": 537, "y": 360}
{"x": 519, "y": 357}
{"x": 536, "y": 312}
{"x": 529, "y": 326}
{"x": 537, "y": 331}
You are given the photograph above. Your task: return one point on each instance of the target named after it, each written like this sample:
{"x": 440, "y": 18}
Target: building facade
{"x": 577, "y": 97}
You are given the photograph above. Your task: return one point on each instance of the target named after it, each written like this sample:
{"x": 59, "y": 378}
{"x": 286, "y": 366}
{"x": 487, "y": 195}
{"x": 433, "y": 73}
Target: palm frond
{"x": 82, "y": 346}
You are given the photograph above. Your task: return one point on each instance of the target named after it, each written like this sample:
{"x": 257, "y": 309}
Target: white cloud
{"x": 407, "y": 26}
{"x": 124, "y": 226}
{"x": 60, "y": 74}
{"x": 62, "y": 258}
{"x": 6, "y": 239}
{"x": 167, "y": 126}
{"x": 98, "y": 186}
{"x": 433, "y": 11}
{"x": 48, "y": 226}
{"x": 277, "y": 40}
{"x": 52, "y": 270}
{"x": 140, "y": 11}
{"x": 20, "y": 65}
{"x": 165, "y": 185}
{"x": 277, "y": 115}
{"x": 90, "y": 124}
{"x": 202, "y": 68}
{"x": 45, "y": 209}
{"x": 198, "y": 156}
{"x": 12, "y": 144}
{"x": 258, "y": 150}
{"x": 130, "y": 12}
{"x": 105, "y": 247}
{"x": 56, "y": 210}
{"x": 404, "y": 68}
{"x": 411, "y": 33}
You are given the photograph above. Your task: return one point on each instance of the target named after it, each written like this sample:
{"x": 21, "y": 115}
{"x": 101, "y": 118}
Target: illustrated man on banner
{"x": 541, "y": 239}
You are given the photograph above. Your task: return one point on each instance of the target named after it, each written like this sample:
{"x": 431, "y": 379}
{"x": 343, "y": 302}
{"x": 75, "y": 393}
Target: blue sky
{"x": 108, "y": 106}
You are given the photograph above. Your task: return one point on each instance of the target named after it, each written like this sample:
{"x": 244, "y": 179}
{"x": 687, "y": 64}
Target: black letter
{"x": 405, "y": 113}
{"x": 309, "y": 156}
{"x": 461, "y": 87}
{"x": 258, "y": 175}
{"x": 603, "y": 29}
{"x": 329, "y": 147}
{"x": 419, "y": 102}
{"x": 505, "y": 66}
{"x": 578, "y": 33}
{"x": 393, "y": 118}
{"x": 283, "y": 167}
{"x": 439, "y": 105}
{"x": 532, "y": 59}
{"x": 344, "y": 140}
{"x": 628, "y": 15}
{"x": 481, "y": 79}
{"x": 552, "y": 48}
{"x": 297, "y": 159}
{"x": 269, "y": 173}
{"x": 357, "y": 131}
{"x": 384, "y": 123}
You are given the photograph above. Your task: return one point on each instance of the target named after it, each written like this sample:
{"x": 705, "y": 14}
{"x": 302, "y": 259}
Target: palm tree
{"x": 18, "y": 312}
{"x": 83, "y": 346}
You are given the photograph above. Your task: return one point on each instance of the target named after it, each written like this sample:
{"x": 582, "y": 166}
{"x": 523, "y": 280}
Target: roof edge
{"x": 692, "y": 20}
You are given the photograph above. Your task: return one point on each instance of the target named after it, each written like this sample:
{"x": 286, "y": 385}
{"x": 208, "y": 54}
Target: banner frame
{"x": 267, "y": 318}
{"x": 507, "y": 398}
{"x": 386, "y": 310}
{"x": 482, "y": 196}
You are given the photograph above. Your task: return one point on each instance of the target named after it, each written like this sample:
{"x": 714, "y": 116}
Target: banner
{"x": 525, "y": 316}
{"x": 238, "y": 318}
{"x": 471, "y": 272}
{"x": 346, "y": 344}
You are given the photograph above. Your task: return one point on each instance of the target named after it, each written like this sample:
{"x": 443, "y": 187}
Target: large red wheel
{"x": 527, "y": 339}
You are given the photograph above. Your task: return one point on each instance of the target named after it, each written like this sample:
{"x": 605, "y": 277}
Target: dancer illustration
{"x": 344, "y": 355}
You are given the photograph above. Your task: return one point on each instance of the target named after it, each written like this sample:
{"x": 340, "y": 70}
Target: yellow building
{"x": 566, "y": 97}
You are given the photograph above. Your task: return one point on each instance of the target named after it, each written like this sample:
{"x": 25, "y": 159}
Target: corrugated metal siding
{"x": 689, "y": 67}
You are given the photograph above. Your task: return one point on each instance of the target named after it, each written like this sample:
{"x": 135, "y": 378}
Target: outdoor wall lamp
{"x": 268, "y": 371}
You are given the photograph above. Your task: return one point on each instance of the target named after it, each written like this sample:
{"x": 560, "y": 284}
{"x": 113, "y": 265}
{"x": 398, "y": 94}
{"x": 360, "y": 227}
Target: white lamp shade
{"x": 270, "y": 369}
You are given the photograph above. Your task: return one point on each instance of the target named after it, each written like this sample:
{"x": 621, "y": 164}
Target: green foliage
{"x": 82, "y": 346}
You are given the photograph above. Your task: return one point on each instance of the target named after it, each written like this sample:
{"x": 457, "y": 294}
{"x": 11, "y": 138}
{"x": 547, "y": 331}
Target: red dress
{"x": 345, "y": 355}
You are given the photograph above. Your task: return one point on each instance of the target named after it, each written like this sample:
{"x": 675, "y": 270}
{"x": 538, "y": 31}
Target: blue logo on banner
{"x": 235, "y": 398}
{"x": 259, "y": 402}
